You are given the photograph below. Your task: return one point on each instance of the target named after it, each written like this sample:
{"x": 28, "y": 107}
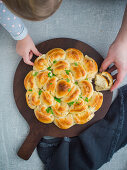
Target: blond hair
{"x": 33, "y": 9}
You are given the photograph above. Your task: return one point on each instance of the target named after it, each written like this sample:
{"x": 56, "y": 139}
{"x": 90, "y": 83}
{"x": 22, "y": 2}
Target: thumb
{"x": 35, "y": 51}
{"x": 106, "y": 63}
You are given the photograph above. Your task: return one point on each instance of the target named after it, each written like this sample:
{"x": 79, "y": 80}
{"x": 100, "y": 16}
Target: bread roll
{"x": 83, "y": 117}
{"x": 86, "y": 88}
{"x": 64, "y": 122}
{"x": 32, "y": 99}
{"x": 46, "y": 98}
{"x": 62, "y": 88}
{"x": 72, "y": 95}
{"x": 30, "y": 80}
{"x": 55, "y": 54}
{"x": 42, "y": 115}
{"x": 41, "y": 63}
{"x": 95, "y": 102}
{"x": 50, "y": 85}
{"x": 103, "y": 81}
{"x": 42, "y": 78}
{"x": 60, "y": 66}
{"x": 78, "y": 71}
{"x": 78, "y": 107}
{"x": 60, "y": 109}
{"x": 74, "y": 55}
{"x": 90, "y": 66}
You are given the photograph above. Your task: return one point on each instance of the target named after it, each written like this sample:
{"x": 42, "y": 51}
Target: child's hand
{"x": 26, "y": 49}
{"x": 117, "y": 54}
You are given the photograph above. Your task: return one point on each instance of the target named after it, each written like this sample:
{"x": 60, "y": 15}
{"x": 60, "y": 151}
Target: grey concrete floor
{"x": 95, "y": 22}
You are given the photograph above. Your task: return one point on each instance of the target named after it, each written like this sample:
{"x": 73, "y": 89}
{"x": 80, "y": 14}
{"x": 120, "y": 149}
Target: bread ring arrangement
{"x": 60, "y": 89}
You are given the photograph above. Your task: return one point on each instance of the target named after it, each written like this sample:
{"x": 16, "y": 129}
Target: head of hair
{"x": 34, "y": 10}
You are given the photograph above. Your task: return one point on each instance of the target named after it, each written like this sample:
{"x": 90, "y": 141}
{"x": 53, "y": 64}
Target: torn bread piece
{"x": 103, "y": 81}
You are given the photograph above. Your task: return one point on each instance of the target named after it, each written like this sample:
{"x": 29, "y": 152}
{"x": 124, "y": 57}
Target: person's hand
{"x": 26, "y": 48}
{"x": 117, "y": 54}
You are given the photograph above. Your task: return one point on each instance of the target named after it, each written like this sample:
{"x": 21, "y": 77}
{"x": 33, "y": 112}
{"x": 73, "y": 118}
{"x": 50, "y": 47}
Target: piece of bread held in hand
{"x": 103, "y": 81}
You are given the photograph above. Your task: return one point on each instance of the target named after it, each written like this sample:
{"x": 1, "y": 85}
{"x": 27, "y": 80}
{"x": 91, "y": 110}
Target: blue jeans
{"x": 93, "y": 147}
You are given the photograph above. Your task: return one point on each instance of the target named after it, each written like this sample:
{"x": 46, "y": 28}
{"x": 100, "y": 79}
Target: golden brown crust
{"x": 29, "y": 81}
{"x": 50, "y": 86}
{"x": 60, "y": 109}
{"x": 42, "y": 115}
{"x": 32, "y": 99}
{"x": 60, "y": 67}
{"x": 72, "y": 95}
{"x": 41, "y": 63}
{"x": 67, "y": 77}
{"x": 62, "y": 88}
{"x": 74, "y": 55}
{"x": 78, "y": 106}
{"x": 86, "y": 88}
{"x": 55, "y": 54}
{"x": 108, "y": 78}
{"x": 95, "y": 101}
{"x": 90, "y": 66}
{"x": 46, "y": 98}
{"x": 78, "y": 71}
{"x": 42, "y": 78}
{"x": 83, "y": 117}
{"x": 64, "y": 122}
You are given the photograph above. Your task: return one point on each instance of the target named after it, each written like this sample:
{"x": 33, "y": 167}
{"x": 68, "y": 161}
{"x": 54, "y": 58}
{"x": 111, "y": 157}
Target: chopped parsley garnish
{"x": 50, "y": 83}
{"x": 75, "y": 64}
{"x": 40, "y": 91}
{"x": 68, "y": 80}
{"x": 49, "y": 74}
{"x": 89, "y": 106}
{"x": 67, "y": 72}
{"x": 49, "y": 68}
{"x": 71, "y": 103}
{"x": 57, "y": 99}
{"x": 30, "y": 90}
{"x": 80, "y": 96}
{"x": 69, "y": 89}
{"x": 86, "y": 78}
{"x": 49, "y": 109}
{"x": 76, "y": 82}
{"x": 77, "y": 102}
{"x": 54, "y": 61}
{"x": 86, "y": 99}
{"x": 35, "y": 73}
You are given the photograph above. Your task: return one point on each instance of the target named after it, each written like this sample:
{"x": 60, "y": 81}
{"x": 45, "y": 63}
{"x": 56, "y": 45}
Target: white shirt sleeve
{"x": 12, "y": 23}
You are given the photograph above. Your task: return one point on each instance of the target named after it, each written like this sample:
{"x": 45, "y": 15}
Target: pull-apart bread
{"x": 60, "y": 90}
{"x": 103, "y": 81}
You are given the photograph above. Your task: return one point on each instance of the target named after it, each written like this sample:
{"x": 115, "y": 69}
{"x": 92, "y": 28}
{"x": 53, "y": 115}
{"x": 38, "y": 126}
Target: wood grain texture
{"x": 38, "y": 129}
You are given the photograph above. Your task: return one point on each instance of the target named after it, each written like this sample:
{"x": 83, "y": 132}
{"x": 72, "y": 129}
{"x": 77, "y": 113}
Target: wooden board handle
{"x": 29, "y": 145}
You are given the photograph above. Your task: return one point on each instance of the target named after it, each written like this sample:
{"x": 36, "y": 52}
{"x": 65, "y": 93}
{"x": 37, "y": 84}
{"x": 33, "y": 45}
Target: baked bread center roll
{"x": 59, "y": 88}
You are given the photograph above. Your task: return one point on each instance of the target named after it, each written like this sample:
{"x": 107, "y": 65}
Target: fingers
{"x": 30, "y": 55}
{"x": 120, "y": 77}
{"x": 27, "y": 60}
{"x": 35, "y": 51}
{"x": 106, "y": 63}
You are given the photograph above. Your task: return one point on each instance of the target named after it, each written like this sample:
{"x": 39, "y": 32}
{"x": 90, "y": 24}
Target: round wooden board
{"x": 38, "y": 129}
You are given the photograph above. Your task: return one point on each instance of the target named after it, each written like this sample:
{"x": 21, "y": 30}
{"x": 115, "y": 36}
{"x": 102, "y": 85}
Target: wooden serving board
{"x": 38, "y": 129}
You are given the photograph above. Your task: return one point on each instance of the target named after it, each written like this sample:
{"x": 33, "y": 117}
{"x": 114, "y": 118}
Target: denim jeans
{"x": 93, "y": 147}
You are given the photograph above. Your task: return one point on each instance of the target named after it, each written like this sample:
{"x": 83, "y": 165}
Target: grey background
{"x": 95, "y": 22}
